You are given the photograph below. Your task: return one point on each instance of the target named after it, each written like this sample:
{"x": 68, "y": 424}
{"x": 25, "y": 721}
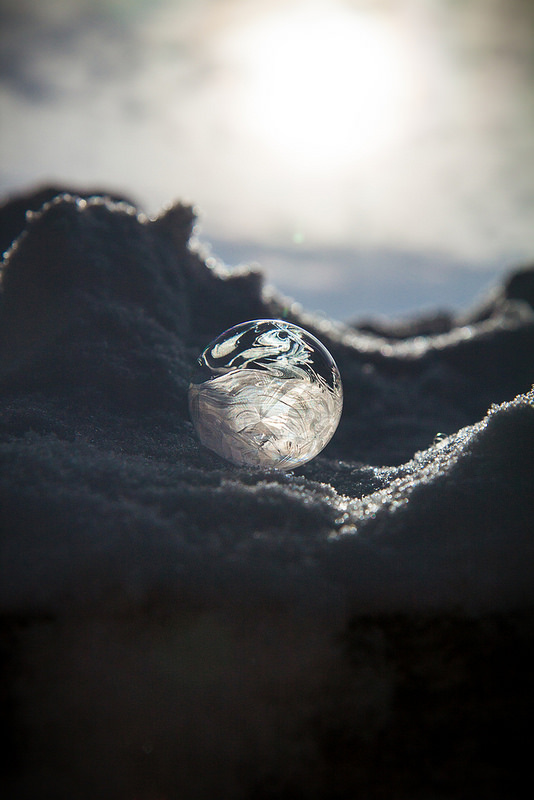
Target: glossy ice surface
{"x": 266, "y": 393}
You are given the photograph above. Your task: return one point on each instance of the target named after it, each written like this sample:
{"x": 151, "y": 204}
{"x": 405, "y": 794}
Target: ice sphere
{"x": 266, "y": 393}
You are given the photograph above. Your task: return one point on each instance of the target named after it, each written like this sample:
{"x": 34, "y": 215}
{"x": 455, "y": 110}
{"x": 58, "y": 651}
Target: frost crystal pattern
{"x": 266, "y": 393}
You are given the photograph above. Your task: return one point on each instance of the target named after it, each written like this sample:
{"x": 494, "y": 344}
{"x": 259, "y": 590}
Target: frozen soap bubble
{"x": 266, "y": 393}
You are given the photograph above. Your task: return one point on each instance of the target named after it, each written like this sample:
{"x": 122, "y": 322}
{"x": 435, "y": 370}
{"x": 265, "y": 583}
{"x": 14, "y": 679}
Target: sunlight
{"x": 321, "y": 85}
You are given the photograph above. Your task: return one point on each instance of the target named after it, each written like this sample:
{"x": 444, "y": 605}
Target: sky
{"x": 372, "y": 156}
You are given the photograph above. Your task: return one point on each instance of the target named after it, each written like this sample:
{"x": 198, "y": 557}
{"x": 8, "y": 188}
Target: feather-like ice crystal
{"x": 266, "y": 393}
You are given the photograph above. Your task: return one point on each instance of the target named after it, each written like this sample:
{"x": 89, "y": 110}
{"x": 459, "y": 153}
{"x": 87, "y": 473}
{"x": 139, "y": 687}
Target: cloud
{"x": 147, "y": 98}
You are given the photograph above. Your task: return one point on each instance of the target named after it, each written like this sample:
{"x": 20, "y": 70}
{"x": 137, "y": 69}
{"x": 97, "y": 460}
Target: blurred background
{"x": 372, "y": 156}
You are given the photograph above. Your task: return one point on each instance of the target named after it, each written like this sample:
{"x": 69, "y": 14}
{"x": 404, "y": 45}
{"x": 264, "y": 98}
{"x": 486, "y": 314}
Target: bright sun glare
{"x": 321, "y": 85}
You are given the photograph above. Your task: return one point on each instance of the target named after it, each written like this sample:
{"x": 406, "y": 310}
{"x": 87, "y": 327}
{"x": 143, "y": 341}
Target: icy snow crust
{"x": 422, "y": 501}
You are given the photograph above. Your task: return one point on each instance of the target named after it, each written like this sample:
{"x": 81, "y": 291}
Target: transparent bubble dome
{"x": 266, "y": 393}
